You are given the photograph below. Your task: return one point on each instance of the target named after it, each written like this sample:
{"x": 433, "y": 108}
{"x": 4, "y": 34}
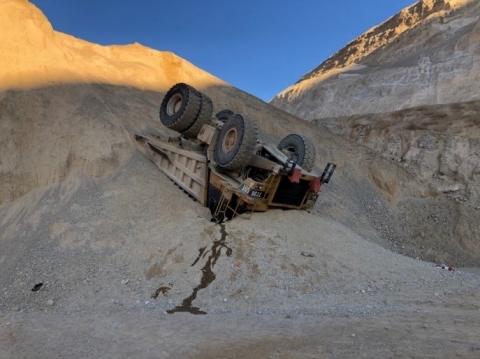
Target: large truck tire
{"x": 302, "y": 149}
{"x": 180, "y": 107}
{"x": 236, "y": 142}
{"x": 223, "y": 115}
{"x": 204, "y": 117}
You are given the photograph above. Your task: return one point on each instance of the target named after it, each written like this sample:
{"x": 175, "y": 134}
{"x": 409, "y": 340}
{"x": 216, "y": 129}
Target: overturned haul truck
{"x": 219, "y": 161}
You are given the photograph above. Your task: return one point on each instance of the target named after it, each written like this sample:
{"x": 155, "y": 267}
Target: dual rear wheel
{"x": 185, "y": 110}
{"x": 237, "y": 139}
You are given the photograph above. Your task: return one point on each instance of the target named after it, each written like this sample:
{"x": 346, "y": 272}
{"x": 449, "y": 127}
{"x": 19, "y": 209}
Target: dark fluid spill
{"x": 163, "y": 290}
{"x": 208, "y": 276}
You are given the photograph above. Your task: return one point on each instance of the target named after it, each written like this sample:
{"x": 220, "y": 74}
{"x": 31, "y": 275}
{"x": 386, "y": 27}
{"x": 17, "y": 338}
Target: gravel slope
{"x": 103, "y": 247}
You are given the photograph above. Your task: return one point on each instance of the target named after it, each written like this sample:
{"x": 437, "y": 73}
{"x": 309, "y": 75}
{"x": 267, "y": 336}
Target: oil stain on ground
{"x": 207, "y": 272}
{"x": 163, "y": 290}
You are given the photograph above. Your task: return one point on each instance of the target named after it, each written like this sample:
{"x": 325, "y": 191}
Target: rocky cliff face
{"x": 422, "y": 140}
{"x": 427, "y": 54}
{"x": 444, "y": 154}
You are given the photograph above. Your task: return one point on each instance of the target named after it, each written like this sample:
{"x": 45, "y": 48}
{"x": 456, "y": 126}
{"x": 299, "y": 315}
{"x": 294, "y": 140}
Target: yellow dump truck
{"x": 219, "y": 161}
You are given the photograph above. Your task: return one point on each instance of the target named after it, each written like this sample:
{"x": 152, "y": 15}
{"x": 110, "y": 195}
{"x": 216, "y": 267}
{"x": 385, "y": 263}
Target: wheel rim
{"x": 292, "y": 152}
{"x": 229, "y": 140}
{"x": 174, "y": 104}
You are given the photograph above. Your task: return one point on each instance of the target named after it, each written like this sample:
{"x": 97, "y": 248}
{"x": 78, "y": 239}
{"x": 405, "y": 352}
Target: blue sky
{"x": 261, "y": 47}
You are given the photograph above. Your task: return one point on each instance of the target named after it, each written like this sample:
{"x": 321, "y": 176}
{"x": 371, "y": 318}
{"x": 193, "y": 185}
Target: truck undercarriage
{"x": 219, "y": 161}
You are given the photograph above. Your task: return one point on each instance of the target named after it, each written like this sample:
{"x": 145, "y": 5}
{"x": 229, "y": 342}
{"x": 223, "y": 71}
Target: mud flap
{"x": 328, "y": 172}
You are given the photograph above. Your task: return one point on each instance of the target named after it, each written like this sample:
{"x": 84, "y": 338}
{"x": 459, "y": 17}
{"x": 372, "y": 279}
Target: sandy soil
{"x": 116, "y": 254}
{"x": 426, "y": 330}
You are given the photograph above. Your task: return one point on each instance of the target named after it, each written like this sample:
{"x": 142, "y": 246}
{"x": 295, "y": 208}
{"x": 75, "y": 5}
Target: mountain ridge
{"x": 52, "y": 57}
{"x": 419, "y": 65}
{"x": 387, "y": 31}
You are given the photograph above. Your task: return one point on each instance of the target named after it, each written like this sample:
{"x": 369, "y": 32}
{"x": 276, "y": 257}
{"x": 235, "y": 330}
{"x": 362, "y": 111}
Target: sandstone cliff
{"x": 44, "y": 135}
{"x": 33, "y": 54}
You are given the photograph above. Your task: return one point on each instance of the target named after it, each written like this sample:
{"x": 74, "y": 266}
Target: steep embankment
{"x": 45, "y": 134}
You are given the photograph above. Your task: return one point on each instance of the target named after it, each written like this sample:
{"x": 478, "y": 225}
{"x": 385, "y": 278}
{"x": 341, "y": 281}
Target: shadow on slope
{"x": 75, "y": 134}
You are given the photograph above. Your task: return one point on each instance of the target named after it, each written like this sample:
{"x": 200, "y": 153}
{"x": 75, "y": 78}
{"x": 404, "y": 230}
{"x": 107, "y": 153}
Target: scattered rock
{"x": 37, "y": 287}
{"x": 307, "y": 254}
{"x": 50, "y": 302}
{"x": 124, "y": 281}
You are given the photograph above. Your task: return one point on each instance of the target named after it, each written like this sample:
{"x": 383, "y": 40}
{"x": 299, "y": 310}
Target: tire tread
{"x": 245, "y": 151}
{"x": 187, "y": 117}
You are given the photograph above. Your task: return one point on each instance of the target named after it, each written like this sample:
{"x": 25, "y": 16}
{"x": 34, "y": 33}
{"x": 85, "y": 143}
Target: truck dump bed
{"x": 187, "y": 168}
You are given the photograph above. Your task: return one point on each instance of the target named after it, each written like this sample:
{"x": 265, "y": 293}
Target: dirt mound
{"x": 124, "y": 220}
{"x": 108, "y": 254}
{"x": 77, "y": 123}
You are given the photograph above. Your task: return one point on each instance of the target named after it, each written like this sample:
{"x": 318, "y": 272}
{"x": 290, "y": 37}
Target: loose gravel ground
{"x": 102, "y": 249}
{"x": 123, "y": 264}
